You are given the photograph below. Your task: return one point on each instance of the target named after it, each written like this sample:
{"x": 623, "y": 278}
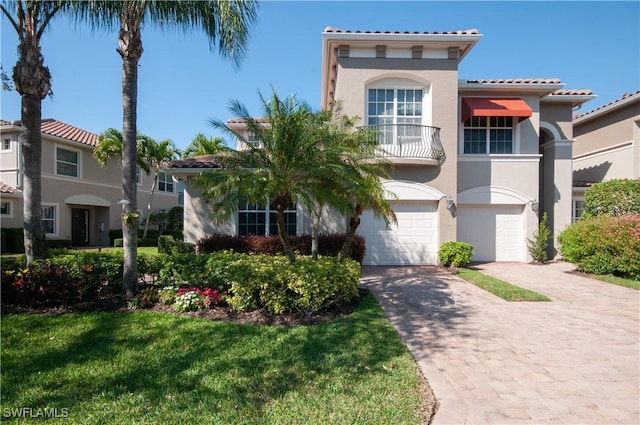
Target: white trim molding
{"x": 494, "y": 195}
{"x": 411, "y": 191}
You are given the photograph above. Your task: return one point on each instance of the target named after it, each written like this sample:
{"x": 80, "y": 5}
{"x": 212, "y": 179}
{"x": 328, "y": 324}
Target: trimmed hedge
{"x": 328, "y": 245}
{"x": 604, "y": 245}
{"x": 613, "y": 197}
{"x": 14, "y": 239}
{"x": 455, "y": 253}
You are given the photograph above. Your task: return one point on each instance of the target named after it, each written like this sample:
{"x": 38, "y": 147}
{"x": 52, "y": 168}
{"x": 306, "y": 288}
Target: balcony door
{"x": 397, "y": 115}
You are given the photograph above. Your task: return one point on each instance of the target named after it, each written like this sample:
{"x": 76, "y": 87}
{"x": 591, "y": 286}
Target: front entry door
{"x": 79, "y": 227}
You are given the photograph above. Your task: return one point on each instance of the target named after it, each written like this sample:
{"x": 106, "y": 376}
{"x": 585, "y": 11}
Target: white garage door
{"x": 412, "y": 241}
{"x": 496, "y": 232}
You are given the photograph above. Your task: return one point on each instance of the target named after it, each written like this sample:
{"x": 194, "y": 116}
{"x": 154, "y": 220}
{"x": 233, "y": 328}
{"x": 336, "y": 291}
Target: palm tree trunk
{"x": 315, "y": 231}
{"x": 153, "y": 189}
{"x": 354, "y": 222}
{"x": 130, "y": 48}
{"x": 32, "y": 184}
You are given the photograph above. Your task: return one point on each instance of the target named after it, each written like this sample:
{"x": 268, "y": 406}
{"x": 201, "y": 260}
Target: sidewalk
{"x": 575, "y": 360}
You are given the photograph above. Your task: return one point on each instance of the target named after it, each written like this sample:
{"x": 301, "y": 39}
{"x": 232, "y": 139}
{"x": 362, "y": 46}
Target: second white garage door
{"x": 413, "y": 241}
{"x": 496, "y": 232}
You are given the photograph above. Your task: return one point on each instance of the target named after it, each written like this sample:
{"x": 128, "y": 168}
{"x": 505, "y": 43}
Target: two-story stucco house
{"x": 473, "y": 160}
{"x": 79, "y": 197}
{"x": 607, "y": 145}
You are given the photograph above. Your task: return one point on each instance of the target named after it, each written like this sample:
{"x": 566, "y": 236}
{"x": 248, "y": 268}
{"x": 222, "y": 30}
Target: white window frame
{"x": 79, "y": 164}
{"x": 139, "y": 175}
{"x": 5, "y": 140}
{"x": 9, "y": 203}
{"x": 267, "y": 212}
{"x": 487, "y": 128}
{"x": 577, "y": 205}
{"x": 56, "y": 218}
{"x": 165, "y": 182}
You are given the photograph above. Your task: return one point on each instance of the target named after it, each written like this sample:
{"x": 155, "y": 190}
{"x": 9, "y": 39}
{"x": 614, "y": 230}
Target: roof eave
{"x": 542, "y": 88}
{"x": 574, "y": 99}
{"x": 607, "y": 109}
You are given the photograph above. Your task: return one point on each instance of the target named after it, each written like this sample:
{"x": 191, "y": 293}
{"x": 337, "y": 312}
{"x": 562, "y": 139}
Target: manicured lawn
{"x": 149, "y": 367}
{"x": 146, "y": 250}
{"x": 633, "y": 284}
{"x": 500, "y": 288}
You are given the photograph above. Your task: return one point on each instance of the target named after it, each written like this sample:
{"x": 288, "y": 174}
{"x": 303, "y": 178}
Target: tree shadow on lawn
{"x": 419, "y": 302}
{"x": 171, "y": 362}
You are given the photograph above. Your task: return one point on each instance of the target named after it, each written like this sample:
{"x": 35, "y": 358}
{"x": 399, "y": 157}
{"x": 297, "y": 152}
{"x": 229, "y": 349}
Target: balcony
{"x": 409, "y": 143}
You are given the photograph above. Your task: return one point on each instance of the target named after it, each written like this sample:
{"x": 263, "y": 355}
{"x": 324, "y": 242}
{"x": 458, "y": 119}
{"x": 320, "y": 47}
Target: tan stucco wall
{"x": 559, "y": 115}
{"x": 607, "y": 130}
{"x": 439, "y": 77}
{"x": 558, "y": 182}
{"x": 618, "y": 163}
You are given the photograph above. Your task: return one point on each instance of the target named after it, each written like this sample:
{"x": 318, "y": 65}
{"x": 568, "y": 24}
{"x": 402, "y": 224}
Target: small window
{"x": 165, "y": 183}
{"x": 67, "y": 162}
{"x": 577, "y": 208}
{"x": 493, "y": 135}
{"x": 6, "y": 144}
{"x": 5, "y": 208}
{"x": 138, "y": 175}
{"x": 49, "y": 219}
{"x": 252, "y": 139}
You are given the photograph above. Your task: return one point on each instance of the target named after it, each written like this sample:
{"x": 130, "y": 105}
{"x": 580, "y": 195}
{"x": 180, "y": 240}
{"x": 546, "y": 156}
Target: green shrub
{"x": 538, "y": 245}
{"x": 604, "y": 245}
{"x": 119, "y": 242}
{"x": 57, "y": 243}
{"x": 455, "y": 253}
{"x": 113, "y": 235}
{"x": 165, "y": 243}
{"x": 147, "y": 242}
{"x": 613, "y": 197}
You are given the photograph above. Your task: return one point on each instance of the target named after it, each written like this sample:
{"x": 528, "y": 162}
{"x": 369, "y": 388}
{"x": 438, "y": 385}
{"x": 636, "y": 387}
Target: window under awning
{"x": 495, "y": 107}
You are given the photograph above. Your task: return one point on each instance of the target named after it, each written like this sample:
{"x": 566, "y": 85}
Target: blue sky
{"x": 182, "y": 84}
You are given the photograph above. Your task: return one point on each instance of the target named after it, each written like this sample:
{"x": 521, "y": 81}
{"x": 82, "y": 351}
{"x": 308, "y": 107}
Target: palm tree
{"x": 32, "y": 81}
{"x": 203, "y": 145}
{"x": 110, "y": 146}
{"x": 225, "y": 22}
{"x": 155, "y": 153}
{"x": 281, "y": 170}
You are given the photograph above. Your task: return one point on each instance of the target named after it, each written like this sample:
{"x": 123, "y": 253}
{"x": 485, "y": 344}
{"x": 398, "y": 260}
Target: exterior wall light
{"x": 535, "y": 206}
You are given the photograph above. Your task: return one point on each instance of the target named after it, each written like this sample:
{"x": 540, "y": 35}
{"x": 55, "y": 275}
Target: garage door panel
{"x": 412, "y": 240}
{"x": 496, "y": 232}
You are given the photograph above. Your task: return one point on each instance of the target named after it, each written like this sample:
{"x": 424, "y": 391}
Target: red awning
{"x": 495, "y": 107}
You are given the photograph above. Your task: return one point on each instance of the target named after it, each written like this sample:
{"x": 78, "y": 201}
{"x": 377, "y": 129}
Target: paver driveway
{"x": 575, "y": 360}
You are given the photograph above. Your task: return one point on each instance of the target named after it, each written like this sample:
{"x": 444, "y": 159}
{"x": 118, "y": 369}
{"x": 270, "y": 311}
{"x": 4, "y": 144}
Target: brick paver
{"x": 575, "y": 360}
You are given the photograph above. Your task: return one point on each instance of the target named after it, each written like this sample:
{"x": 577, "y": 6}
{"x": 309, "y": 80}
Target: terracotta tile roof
{"x": 579, "y": 183}
{"x": 204, "y": 161}
{"x": 517, "y": 81}
{"x": 608, "y": 105}
{"x": 5, "y": 188}
{"x": 458, "y": 32}
{"x": 60, "y": 129}
{"x": 572, "y": 92}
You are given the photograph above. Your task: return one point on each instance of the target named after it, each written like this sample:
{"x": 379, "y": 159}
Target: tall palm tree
{"x": 280, "y": 170}
{"x": 203, "y": 145}
{"x": 32, "y": 81}
{"x": 225, "y": 22}
{"x": 156, "y": 153}
{"x": 110, "y": 146}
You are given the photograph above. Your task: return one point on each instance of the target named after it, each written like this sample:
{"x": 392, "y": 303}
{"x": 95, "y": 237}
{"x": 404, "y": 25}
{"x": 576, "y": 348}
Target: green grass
{"x": 628, "y": 283}
{"x": 146, "y": 250}
{"x": 149, "y": 367}
{"x": 500, "y": 288}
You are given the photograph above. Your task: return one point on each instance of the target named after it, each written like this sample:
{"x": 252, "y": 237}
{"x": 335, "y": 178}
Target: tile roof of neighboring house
{"x": 60, "y": 129}
{"x": 337, "y": 30}
{"x": 204, "y": 161}
{"x": 625, "y": 96}
{"x": 517, "y": 81}
{"x": 5, "y": 188}
{"x": 573, "y": 92}
{"x": 244, "y": 121}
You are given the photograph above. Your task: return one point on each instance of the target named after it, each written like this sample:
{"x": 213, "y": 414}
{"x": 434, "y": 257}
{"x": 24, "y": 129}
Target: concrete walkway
{"x": 575, "y": 360}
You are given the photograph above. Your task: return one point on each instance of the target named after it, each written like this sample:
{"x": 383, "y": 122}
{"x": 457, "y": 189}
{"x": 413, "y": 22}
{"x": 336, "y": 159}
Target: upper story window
{"x": 5, "y": 209}
{"x": 255, "y": 219}
{"x": 252, "y": 139}
{"x": 492, "y": 135}
{"x": 388, "y": 109}
{"x": 165, "y": 182}
{"x": 6, "y": 144}
{"x": 67, "y": 162}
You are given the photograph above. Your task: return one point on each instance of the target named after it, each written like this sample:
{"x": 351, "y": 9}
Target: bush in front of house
{"x": 613, "y": 197}
{"x": 455, "y": 253}
{"x": 328, "y": 245}
{"x": 604, "y": 245}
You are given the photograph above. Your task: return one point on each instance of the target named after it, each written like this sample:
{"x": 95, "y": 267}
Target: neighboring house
{"x": 474, "y": 160}
{"x": 607, "y": 146}
{"x": 79, "y": 197}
